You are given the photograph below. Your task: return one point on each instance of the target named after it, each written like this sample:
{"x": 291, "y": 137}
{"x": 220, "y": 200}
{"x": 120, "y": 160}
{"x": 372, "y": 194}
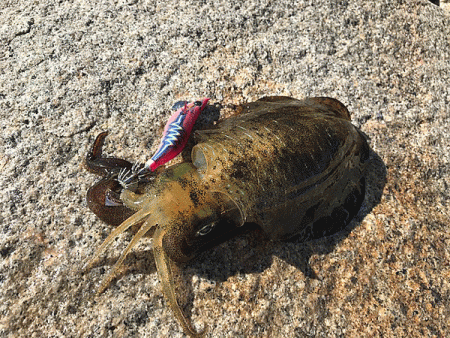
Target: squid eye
{"x": 198, "y": 103}
{"x": 206, "y": 229}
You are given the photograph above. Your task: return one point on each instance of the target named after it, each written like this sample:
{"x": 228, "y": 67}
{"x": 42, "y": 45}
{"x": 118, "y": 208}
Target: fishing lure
{"x": 294, "y": 167}
{"x": 175, "y": 136}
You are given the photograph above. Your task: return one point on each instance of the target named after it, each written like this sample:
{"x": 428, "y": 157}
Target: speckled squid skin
{"x": 295, "y": 167}
{"x": 288, "y": 163}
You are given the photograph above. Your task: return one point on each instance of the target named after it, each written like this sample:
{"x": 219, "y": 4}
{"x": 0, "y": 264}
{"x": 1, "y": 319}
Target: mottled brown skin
{"x": 294, "y": 167}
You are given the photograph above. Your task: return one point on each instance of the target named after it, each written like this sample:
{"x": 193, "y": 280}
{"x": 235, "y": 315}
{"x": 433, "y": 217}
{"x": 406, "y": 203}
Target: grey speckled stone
{"x": 69, "y": 69}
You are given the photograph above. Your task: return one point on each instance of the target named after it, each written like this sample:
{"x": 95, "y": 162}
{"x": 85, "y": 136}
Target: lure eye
{"x": 198, "y": 103}
{"x": 179, "y": 104}
{"x": 206, "y": 229}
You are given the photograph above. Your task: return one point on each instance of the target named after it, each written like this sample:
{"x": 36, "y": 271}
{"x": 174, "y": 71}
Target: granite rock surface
{"x": 70, "y": 69}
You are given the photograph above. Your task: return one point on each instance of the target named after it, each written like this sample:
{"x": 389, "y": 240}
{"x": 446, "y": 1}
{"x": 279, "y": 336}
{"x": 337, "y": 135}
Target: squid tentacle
{"x": 165, "y": 275}
{"x": 132, "y": 220}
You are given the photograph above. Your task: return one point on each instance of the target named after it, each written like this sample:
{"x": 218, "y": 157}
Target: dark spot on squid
{"x": 194, "y": 197}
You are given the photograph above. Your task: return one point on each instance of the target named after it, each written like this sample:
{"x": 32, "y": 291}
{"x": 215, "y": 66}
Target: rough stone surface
{"x": 70, "y": 69}
{"x": 445, "y": 5}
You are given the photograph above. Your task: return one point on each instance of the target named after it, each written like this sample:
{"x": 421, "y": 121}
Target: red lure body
{"x": 176, "y": 133}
